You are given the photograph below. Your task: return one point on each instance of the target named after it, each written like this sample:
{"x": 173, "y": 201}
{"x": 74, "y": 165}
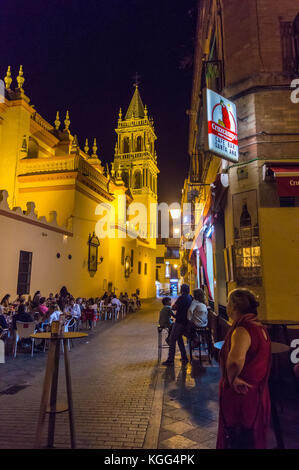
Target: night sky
{"x": 83, "y": 56}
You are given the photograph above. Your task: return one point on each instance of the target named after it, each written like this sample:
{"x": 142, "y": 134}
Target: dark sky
{"x": 82, "y": 55}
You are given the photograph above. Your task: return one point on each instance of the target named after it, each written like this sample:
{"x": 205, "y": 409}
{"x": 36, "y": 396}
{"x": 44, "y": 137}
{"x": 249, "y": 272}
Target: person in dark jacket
{"x": 22, "y": 315}
{"x": 181, "y": 307}
{"x": 3, "y": 323}
{"x": 165, "y": 316}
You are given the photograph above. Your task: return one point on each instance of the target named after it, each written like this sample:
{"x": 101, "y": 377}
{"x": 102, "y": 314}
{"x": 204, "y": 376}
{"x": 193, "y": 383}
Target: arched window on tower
{"x": 126, "y": 145}
{"x": 137, "y": 179}
{"x": 125, "y": 178}
{"x": 32, "y": 148}
{"x": 151, "y": 181}
{"x": 139, "y": 144}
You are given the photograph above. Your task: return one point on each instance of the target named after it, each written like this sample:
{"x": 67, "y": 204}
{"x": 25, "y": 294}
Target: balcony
{"x": 65, "y": 164}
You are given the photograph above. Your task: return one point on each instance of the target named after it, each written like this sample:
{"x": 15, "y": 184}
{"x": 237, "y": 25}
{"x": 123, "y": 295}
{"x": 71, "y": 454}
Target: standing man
{"x": 181, "y": 308}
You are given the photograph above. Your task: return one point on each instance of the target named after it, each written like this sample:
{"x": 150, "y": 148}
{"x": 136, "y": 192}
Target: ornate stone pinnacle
{"x": 20, "y": 78}
{"x": 8, "y": 78}
{"x": 120, "y": 114}
{"x": 145, "y": 111}
{"x": 75, "y": 145}
{"x": 57, "y": 121}
{"x": 86, "y": 148}
{"x": 94, "y": 148}
{"x": 67, "y": 121}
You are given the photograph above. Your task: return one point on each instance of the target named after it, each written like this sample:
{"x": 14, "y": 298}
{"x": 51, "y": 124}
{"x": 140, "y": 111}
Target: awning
{"x": 287, "y": 178}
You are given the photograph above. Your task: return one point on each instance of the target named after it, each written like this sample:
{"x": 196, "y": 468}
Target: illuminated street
{"x": 117, "y": 390}
{"x": 149, "y": 225}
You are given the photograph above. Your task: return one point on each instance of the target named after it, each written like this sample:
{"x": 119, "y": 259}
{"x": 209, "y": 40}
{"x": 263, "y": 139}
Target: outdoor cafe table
{"x": 275, "y": 325}
{"x": 51, "y": 384}
{"x": 276, "y": 348}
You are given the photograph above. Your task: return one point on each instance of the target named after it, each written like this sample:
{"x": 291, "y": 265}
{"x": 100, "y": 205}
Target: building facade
{"x": 51, "y": 191}
{"x": 247, "y": 231}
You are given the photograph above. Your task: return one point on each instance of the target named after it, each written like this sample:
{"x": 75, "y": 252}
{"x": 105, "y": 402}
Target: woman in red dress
{"x": 245, "y": 360}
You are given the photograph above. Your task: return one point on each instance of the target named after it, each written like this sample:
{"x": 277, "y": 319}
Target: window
{"x": 145, "y": 269}
{"x": 167, "y": 270}
{"x": 139, "y": 144}
{"x": 132, "y": 258}
{"x": 24, "y": 275}
{"x": 289, "y": 32}
{"x": 126, "y": 145}
{"x": 137, "y": 179}
{"x": 125, "y": 178}
{"x": 122, "y": 255}
{"x": 287, "y": 201}
{"x": 139, "y": 267}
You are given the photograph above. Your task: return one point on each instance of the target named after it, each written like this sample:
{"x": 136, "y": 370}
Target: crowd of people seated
{"x": 60, "y": 307}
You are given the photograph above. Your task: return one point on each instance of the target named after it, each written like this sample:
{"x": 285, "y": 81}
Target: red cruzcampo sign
{"x": 287, "y": 178}
{"x": 288, "y": 186}
{"x": 222, "y": 126}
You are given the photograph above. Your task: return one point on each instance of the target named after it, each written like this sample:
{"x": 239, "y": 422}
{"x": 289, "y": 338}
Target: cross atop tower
{"x": 137, "y": 80}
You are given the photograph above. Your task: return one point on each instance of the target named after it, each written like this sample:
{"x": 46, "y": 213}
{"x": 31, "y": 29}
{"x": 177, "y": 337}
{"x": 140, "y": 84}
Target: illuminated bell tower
{"x": 135, "y": 160}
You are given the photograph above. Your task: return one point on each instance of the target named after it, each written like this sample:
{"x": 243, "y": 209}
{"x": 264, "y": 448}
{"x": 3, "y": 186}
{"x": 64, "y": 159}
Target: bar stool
{"x": 205, "y": 342}
{"x": 161, "y": 341}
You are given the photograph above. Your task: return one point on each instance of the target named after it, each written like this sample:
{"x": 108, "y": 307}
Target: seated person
{"x": 197, "y": 315}
{"x": 73, "y": 309}
{"x": 116, "y": 301}
{"x": 42, "y": 308}
{"x": 22, "y": 316}
{"x": 3, "y": 322}
{"x": 54, "y": 313}
{"x": 198, "y": 312}
{"x": 165, "y": 315}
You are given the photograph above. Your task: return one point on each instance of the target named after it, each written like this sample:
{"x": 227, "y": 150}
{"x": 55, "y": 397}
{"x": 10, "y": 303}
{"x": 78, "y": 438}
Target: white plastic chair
{"x": 69, "y": 325}
{"x": 24, "y": 330}
{"x": 123, "y": 310}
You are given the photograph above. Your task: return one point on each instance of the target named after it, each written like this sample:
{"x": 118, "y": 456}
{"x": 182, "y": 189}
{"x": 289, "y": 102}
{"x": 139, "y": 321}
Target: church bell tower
{"x": 135, "y": 160}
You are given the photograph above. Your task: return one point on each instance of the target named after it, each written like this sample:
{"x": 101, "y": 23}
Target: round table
{"x": 275, "y": 325}
{"x": 218, "y": 345}
{"x": 51, "y": 384}
{"x": 276, "y": 348}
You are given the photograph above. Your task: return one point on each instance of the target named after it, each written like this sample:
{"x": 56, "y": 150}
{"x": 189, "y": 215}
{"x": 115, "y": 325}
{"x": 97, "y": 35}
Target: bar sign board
{"x": 222, "y": 126}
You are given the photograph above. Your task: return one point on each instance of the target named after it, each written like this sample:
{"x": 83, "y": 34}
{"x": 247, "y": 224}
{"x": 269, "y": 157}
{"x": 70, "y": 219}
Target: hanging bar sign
{"x": 222, "y": 126}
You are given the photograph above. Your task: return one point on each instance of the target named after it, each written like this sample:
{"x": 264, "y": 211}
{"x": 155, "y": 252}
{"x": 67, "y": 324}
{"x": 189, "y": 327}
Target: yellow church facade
{"x": 50, "y": 194}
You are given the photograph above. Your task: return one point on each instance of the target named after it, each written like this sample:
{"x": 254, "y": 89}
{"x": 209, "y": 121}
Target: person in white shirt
{"x": 116, "y": 301}
{"x": 73, "y": 309}
{"x": 198, "y": 312}
{"x": 55, "y": 313}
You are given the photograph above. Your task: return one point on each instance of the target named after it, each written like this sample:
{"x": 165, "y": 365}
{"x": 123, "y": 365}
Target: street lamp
{"x": 175, "y": 213}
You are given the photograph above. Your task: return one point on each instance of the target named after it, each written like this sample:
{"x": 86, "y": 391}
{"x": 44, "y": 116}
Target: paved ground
{"x": 113, "y": 376}
{"x": 121, "y": 397}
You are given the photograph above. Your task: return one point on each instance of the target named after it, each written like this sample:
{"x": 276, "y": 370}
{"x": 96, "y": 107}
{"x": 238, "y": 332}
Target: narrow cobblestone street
{"x": 113, "y": 377}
